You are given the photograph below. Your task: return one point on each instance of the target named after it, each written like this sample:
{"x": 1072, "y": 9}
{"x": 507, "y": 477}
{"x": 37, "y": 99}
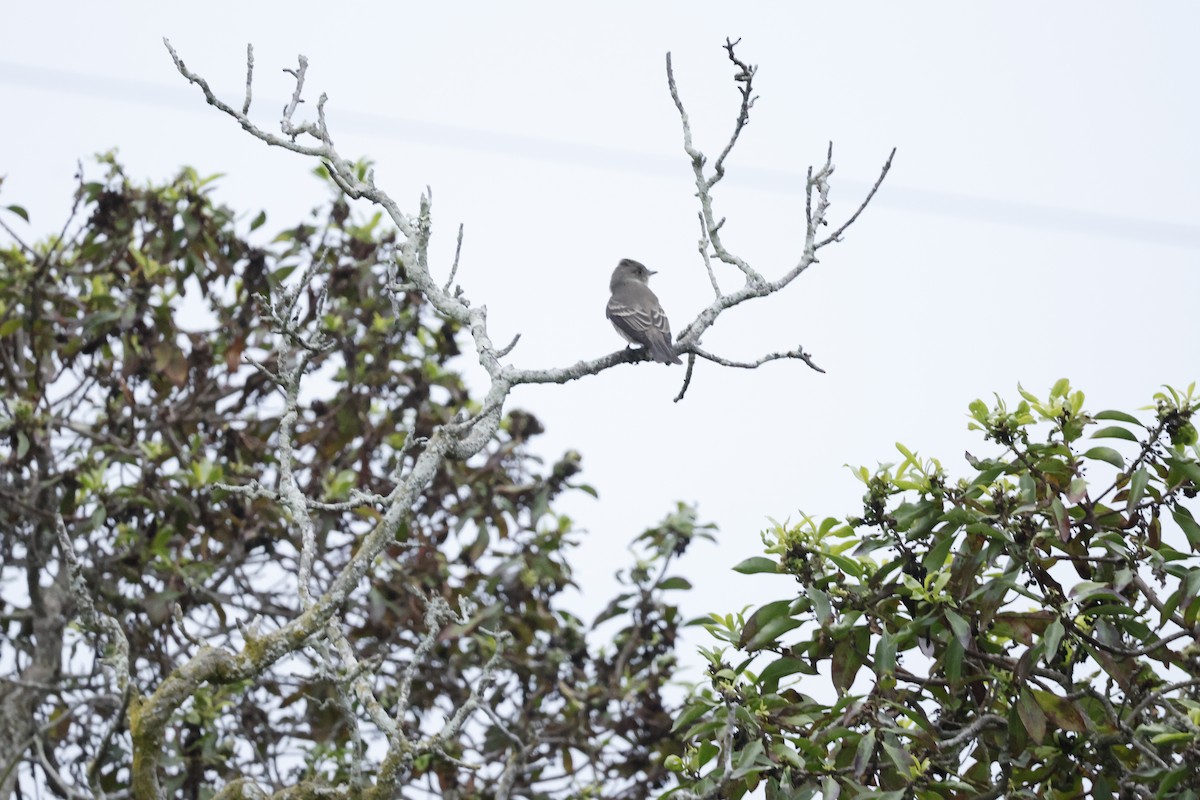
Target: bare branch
{"x": 703, "y": 186}
{"x": 745, "y": 80}
{"x": 816, "y": 209}
{"x": 291, "y": 495}
{"x": 116, "y": 660}
{"x": 249, "y": 78}
{"x": 703, "y": 247}
{"x": 971, "y": 731}
{"x": 457, "y": 253}
{"x": 437, "y": 612}
{"x": 797, "y": 354}
{"x": 481, "y": 685}
{"x": 1158, "y": 694}
{"x": 508, "y": 348}
{"x": 836, "y": 236}
{"x": 687, "y": 377}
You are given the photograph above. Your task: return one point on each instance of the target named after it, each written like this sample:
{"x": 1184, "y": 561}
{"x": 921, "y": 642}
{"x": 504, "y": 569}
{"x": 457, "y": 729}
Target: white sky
{"x": 1040, "y": 220}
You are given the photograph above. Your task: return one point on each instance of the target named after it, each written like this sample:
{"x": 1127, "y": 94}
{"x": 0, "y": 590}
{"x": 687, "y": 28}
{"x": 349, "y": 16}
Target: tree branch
{"x": 755, "y": 285}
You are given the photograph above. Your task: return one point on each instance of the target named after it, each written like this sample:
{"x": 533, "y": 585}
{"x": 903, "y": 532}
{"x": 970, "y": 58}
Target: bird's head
{"x": 630, "y": 270}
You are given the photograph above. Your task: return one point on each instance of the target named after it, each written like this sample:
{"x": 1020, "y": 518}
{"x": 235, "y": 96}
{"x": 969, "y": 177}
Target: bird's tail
{"x": 662, "y": 351}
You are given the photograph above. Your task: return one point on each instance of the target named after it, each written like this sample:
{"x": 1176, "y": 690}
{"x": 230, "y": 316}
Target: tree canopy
{"x": 1026, "y": 627}
{"x": 136, "y": 435}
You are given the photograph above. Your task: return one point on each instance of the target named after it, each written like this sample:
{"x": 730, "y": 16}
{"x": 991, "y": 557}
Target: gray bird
{"x": 636, "y": 314}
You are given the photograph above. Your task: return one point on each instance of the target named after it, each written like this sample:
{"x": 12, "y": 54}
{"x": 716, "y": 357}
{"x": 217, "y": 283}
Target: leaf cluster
{"x": 1027, "y": 630}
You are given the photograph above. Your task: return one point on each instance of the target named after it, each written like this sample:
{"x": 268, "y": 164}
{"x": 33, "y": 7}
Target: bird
{"x": 636, "y": 314}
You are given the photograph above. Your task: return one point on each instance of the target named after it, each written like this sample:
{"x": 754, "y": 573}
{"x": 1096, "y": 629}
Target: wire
{"x": 947, "y": 204}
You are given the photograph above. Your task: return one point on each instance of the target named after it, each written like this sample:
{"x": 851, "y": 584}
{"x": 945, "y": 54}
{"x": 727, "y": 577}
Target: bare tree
{"x": 154, "y": 709}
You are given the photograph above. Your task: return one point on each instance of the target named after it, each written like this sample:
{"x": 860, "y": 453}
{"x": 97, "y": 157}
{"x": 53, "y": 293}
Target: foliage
{"x": 1055, "y": 590}
{"x": 127, "y": 406}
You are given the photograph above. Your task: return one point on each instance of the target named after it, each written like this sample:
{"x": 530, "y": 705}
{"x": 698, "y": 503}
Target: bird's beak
{"x": 651, "y": 272}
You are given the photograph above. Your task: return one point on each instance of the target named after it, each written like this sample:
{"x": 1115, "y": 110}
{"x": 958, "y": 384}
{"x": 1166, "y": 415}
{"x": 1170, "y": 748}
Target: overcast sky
{"x": 1040, "y": 221}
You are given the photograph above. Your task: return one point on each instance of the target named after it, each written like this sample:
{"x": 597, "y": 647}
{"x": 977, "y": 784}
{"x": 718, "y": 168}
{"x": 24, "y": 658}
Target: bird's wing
{"x": 641, "y": 319}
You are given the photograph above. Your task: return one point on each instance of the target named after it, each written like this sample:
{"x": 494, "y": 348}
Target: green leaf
{"x": 898, "y": 755}
{"x": 1137, "y": 488}
{"x": 1185, "y": 435}
{"x": 1118, "y": 416}
{"x": 1028, "y": 488}
{"x": 1169, "y": 607}
{"x": 952, "y": 661}
{"x": 755, "y": 565}
{"x": 987, "y": 476}
{"x": 844, "y": 665}
{"x": 766, "y": 625}
{"x": 1115, "y": 432}
{"x": 1106, "y": 454}
{"x": 1077, "y": 490}
{"x": 1112, "y": 610}
{"x": 1189, "y": 468}
{"x": 258, "y": 221}
{"x": 19, "y": 211}
{"x": 1061, "y": 711}
{"x": 1167, "y": 781}
{"x": 846, "y": 565}
{"x": 706, "y": 751}
{"x": 1032, "y": 716}
{"x": 1054, "y": 635}
{"x": 863, "y": 753}
{"x": 781, "y": 668}
{"x": 962, "y": 631}
{"x": 690, "y": 715}
{"x": 1187, "y": 523}
{"x": 675, "y": 582}
{"x": 1061, "y": 520}
{"x": 935, "y": 559}
{"x": 1086, "y": 590}
{"x": 821, "y": 608}
{"x": 885, "y": 654}
{"x": 747, "y": 758}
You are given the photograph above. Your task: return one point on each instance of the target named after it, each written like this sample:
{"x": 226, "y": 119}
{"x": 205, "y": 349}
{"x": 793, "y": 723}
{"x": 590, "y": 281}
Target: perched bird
{"x": 636, "y": 314}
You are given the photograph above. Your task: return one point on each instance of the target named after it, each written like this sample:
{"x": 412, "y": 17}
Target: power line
{"x": 948, "y": 204}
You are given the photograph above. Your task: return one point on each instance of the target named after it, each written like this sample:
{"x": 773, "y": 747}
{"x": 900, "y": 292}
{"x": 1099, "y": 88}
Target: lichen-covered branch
{"x": 712, "y": 245}
{"x": 315, "y": 626}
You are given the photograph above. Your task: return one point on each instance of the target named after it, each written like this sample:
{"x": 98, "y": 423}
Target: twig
{"x": 797, "y": 354}
{"x": 249, "y": 78}
{"x": 503, "y": 351}
{"x": 702, "y": 246}
{"x": 457, "y": 252}
{"x": 836, "y": 235}
{"x": 687, "y": 377}
{"x": 744, "y": 77}
{"x": 703, "y": 185}
{"x": 972, "y": 730}
{"x": 1158, "y": 694}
